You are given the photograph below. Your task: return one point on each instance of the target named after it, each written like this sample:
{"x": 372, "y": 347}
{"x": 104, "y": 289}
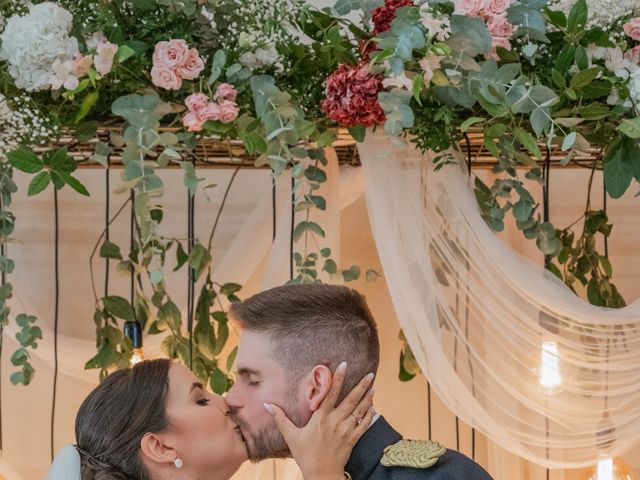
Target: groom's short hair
{"x": 314, "y": 324}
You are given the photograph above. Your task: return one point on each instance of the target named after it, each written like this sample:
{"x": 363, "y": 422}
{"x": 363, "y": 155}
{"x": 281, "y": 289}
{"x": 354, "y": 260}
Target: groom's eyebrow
{"x": 247, "y": 371}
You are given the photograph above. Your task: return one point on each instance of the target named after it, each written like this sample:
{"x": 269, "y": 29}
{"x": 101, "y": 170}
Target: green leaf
{"x": 528, "y": 142}
{"x": 306, "y": 226}
{"x": 39, "y": 183}
{"x": 577, "y": 17}
{"x": 87, "y": 104}
{"x": 25, "y": 161}
{"x": 358, "y": 132}
{"x": 6, "y": 264}
{"x": 181, "y": 257}
{"x": 218, "y": 381}
{"x": 565, "y": 58}
{"x": 230, "y": 288}
{"x": 325, "y": 252}
{"x": 124, "y": 53}
{"x": 470, "y": 121}
{"x": 330, "y": 266}
{"x": 558, "y": 79}
{"x": 110, "y": 250}
{"x": 231, "y": 359}
{"x": 319, "y": 201}
{"x": 75, "y": 184}
{"x": 630, "y": 127}
{"x": 582, "y": 60}
{"x": 617, "y": 176}
{"x": 418, "y": 83}
{"x": 326, "y": 138}
{"x": 119, "y": 307}
{"x": 169, "y": 314}
{"x": 199, "y": 259}
{"x": 315, "y": 174}
{"x": 351, "y": 274}
{"x": 568, "y": 141}
{"x": 584, "y": 78}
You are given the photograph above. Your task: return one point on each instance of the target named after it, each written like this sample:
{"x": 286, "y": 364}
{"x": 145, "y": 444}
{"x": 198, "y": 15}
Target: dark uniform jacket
{"x": 364, "y": 463}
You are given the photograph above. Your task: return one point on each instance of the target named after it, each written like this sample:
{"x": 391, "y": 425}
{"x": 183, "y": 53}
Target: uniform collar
{"x": 367, "y": 453}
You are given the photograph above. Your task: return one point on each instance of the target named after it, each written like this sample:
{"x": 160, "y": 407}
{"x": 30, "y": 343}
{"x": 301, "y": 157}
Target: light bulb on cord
{"x": 133, "y": 331}
{"x": 609, "y": 468}
{"x": 137, "y": 356}
{"x": 549, "y": 365}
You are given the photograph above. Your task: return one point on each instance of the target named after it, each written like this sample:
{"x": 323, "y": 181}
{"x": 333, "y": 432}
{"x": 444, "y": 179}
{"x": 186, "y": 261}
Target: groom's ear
{"x": 318, "y": 386}
{"x": 153, "y": 447}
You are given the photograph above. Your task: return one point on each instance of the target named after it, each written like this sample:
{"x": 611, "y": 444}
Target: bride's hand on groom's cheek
{"x": 323, "y": 446}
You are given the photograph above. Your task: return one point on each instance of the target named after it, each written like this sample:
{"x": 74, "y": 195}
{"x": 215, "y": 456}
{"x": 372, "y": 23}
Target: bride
{"x": 156, "y": 421}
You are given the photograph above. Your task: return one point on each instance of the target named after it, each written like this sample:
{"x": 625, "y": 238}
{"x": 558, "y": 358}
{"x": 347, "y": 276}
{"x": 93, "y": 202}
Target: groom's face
{"x": 261, "y": 379}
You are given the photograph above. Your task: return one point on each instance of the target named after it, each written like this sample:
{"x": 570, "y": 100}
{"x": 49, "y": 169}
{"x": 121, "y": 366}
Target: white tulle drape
{"x": 477, "y": 315}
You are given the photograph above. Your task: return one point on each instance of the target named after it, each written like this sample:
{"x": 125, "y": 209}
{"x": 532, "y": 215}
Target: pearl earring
{"x": 178, "y": 462}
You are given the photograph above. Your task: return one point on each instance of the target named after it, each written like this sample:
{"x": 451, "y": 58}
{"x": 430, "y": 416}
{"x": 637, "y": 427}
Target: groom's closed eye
{"x": 249, "y": 376}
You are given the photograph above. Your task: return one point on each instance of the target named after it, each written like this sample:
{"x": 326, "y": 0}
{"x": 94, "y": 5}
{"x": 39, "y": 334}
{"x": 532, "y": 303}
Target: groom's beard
{"x": 266, "y": 442}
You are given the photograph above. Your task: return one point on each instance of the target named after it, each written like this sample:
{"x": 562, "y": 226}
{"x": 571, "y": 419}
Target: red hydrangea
{"x": 383, "y": 16}
{"x": 352, "y": 96}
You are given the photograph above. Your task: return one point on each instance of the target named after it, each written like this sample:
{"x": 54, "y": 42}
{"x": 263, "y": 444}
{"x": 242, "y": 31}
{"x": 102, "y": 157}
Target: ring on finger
{"x": 358, "y": 419}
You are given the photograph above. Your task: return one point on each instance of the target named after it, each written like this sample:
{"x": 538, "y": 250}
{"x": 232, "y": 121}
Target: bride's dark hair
{"x": 114, "y": 417}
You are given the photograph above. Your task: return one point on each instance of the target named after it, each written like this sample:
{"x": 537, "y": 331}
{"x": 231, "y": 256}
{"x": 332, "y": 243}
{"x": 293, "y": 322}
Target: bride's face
{"x": 200, "y": 429}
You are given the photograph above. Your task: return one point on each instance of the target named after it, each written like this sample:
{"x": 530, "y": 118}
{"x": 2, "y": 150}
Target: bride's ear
{"x": 154, "y": 448}
{"x": 319, "y": 385}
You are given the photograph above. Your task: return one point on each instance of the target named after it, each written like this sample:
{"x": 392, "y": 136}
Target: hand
{"x": 323, "y": 446}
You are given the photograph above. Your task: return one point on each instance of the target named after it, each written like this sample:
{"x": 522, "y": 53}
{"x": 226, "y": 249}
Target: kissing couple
{"x": 294, "y": 396}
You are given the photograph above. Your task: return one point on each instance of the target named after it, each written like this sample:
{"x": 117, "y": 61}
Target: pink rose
{"x": 228, "y": 112}
{"x": 106, "y": 52}
{"x": 166, "y": 78}
{"x": 172, "y": 54}
{"x": 632, "y": 28}
{"x": 193, "y": 122}
{"x": 500, "y": 27}
{"x": 495, "y": 43}
{"x": 470, "y": 7}
{"x": 81, "y": 65}
{"x": 212, "y": 111}
{"x": 196, "y": 102}
{"x": 633, "y": 55}
{"x": 225, "y": 92}
{"x": 192, "y": 65}
{"x": 497, "y": 7}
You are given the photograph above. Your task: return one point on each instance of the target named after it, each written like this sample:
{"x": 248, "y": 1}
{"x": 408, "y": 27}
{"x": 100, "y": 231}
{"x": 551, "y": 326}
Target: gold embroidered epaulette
{"x": 412, "y": 453}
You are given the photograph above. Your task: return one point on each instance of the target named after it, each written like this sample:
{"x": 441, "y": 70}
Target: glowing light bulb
{"x": 604, "y": 469}
{"x": 550, "y": 365}
{"x": 137, "y": 357}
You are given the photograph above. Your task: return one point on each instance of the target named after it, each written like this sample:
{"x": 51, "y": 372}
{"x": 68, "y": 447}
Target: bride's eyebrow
{"x": 196, "y": 385}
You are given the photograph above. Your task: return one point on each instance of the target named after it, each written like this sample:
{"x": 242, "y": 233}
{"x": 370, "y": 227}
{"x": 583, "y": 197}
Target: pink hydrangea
{"x": 352, "y": 96}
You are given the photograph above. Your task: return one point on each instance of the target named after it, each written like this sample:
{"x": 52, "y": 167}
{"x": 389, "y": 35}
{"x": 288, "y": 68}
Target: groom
{"x": 292, "y": 339}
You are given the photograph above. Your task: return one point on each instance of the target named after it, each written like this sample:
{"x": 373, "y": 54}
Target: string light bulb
{"x": 609, "y": 468}
{"x": 550, "y": 377}
{"x": 133, "y": 331}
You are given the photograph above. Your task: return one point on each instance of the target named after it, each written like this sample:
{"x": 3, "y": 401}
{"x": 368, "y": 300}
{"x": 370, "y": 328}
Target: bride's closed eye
{"x": 203, "y": 401}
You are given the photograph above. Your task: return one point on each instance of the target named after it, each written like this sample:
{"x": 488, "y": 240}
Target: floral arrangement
{"x": 532, "y": 77}
{"x": 223, "y": 68}
{"x": 279, "y": 75}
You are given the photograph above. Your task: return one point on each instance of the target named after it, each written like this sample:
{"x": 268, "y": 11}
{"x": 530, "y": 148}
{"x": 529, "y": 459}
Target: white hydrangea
{"x": 602, "y": 13}
{"x": 33, "y": 42}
